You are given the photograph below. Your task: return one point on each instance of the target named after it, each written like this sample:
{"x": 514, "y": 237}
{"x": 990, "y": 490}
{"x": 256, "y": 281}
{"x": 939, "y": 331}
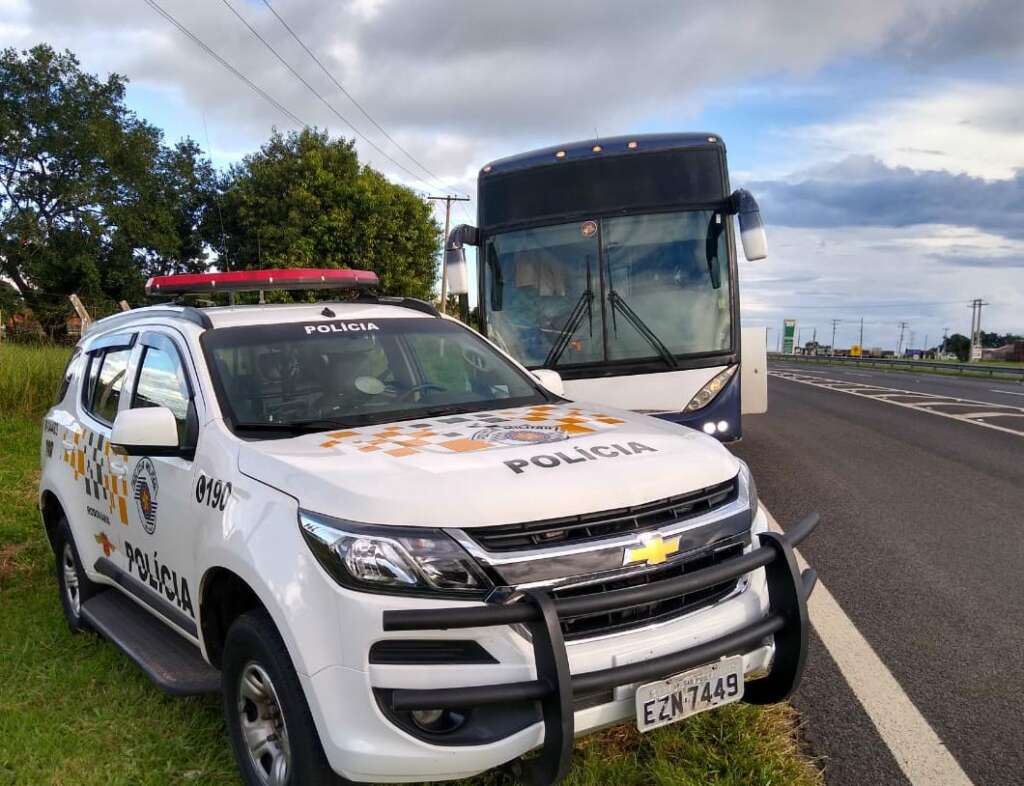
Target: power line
{"x": 323, "y": 100}
{"x": 872, "y": 305}
{"x": 199, "y": 42}
{"x": 348, "y": 95}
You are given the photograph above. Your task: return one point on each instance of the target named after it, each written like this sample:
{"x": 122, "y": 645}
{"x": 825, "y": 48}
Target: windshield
{"x": 292, "y": 378}
{"x": 627, "y": 288}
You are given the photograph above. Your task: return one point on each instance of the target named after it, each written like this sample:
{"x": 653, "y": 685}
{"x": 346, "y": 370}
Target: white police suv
{"x": 397, "y": 554}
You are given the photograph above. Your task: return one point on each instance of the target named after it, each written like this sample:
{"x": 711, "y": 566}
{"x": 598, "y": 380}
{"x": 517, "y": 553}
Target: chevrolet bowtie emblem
{"x": 653, "y": 552}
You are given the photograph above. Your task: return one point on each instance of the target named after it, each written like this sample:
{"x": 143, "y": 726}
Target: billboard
{"x": 788, "y": 336}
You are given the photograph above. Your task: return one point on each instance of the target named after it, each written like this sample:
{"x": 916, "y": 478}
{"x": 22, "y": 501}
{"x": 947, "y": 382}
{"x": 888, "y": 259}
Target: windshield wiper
{"x": 297, "y": 426}
{"x": 583, "y": 306}
{"x": 618, "y": 304}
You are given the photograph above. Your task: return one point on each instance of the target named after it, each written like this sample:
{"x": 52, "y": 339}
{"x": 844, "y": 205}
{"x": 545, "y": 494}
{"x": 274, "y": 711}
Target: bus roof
{"x": 574, "y": 151}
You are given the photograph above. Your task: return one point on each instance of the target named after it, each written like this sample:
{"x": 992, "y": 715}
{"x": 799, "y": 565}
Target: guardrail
{"x": 973, "y": 369}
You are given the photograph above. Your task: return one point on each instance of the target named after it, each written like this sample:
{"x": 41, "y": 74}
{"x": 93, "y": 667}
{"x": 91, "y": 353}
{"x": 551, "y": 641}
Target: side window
{"x": 106, "y": 379}
{"x": 162, "y": 383}
{"x": 69, "y": 372}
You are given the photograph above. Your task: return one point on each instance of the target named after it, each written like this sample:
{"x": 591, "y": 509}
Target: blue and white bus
{"x": 613, "y": 262}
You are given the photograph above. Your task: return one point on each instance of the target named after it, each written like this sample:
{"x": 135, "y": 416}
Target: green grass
{"x": 74, "y": 711}
{"x": 29, "y": 377}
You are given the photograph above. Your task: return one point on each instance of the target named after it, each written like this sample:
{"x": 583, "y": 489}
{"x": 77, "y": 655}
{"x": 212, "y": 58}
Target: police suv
{"x": 397, "y": 554}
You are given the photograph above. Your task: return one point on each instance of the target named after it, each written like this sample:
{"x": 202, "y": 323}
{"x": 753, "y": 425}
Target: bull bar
{"x": 555, "y": 686}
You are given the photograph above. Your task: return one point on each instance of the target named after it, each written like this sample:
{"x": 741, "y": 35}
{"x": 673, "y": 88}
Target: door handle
{"x": 118, "y": 467}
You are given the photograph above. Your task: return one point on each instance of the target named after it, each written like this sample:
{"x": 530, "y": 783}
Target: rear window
{"x": 69, "y": 373}
{"x": 107, "y": 373}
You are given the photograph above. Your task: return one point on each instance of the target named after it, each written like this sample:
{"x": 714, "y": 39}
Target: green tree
{"x": 304, "y": 200}
{"x": 959, "y": 345}
{"x": 90, "y": 198}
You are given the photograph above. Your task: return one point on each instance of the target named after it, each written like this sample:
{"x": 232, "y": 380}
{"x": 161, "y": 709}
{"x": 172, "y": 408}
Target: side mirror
{"x": 755, "y": 242}
{"x": 150, "y": 431}
{"x": 455, "y": 258}
{"x": 551, "y": 380}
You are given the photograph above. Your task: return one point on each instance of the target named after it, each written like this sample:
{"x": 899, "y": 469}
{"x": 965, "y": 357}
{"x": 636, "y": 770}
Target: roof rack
{"x": 188, "y": 313}
{"x": 254, "y": 280}
{"x": 401, "y": 302}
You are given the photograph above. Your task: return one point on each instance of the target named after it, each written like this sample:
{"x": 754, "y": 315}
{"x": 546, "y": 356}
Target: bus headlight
{"x": 707, "y": 394}
{"x": 410, "y": 560}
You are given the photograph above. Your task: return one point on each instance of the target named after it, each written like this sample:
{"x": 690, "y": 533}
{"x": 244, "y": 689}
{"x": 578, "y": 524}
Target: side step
{"x": 170, "y": 661}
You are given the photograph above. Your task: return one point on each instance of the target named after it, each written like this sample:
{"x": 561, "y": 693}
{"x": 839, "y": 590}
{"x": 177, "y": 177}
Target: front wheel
{"x": 268, "y": 720}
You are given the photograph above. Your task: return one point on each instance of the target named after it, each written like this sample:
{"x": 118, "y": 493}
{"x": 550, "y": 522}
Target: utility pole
{"x": 832, "y": 349}
{"x": 976, "y": 306}
{"x": 899, "y": 346}
{"x": 861, "y": 344}
{"x": 447, "y": 199}
{"x": 945, "y": 340}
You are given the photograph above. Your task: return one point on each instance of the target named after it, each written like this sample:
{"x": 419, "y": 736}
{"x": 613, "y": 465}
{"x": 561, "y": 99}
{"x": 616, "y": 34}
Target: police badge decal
{"x": 144, "y": 490}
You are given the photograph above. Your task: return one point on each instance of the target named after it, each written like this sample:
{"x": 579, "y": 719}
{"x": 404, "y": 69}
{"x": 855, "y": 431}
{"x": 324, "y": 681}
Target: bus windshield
{"x": 628, "y": 288}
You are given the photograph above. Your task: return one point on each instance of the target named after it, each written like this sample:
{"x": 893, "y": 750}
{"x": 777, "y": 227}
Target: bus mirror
{"x": 455, "y": 258}
{"x": 458, "y": 279}
{"x": 755, "y": 242}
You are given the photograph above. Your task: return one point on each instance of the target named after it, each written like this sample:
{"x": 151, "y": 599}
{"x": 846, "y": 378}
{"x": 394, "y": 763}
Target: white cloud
{"x": 974, "y": 128}
{"x": 887, "y": 276}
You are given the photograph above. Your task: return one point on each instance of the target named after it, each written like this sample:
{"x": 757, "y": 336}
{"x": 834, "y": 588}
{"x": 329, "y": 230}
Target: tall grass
{"x": 29, "y": 378}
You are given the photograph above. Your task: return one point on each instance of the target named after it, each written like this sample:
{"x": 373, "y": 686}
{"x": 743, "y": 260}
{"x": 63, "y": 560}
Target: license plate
{"x": 703, "y": 688}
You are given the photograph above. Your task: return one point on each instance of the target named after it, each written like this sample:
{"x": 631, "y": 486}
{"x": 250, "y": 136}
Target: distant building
{"x": 1012, "y": 351}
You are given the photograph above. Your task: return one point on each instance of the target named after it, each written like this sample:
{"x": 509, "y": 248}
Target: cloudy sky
{"x": 884, "y": 139}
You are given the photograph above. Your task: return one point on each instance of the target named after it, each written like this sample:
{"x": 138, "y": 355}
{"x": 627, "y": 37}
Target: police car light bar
{"x": 252, "y": 280}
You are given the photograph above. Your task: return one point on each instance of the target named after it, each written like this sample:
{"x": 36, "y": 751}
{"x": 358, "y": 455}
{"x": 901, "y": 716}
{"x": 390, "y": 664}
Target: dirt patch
{"x": 9, "y": 554}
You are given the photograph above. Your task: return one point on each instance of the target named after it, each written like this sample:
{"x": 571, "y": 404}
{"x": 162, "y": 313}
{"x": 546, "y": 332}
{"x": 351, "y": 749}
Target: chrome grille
{"x": 604, "y": 524}
{"x": 590, "y": 625}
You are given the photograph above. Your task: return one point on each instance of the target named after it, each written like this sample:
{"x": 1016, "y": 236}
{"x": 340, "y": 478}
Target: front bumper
{"x": 555, "y": 687}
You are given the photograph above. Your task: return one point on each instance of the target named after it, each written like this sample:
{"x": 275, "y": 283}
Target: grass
{"x": 29, "y": 377}
{"x": 74, "y": 711}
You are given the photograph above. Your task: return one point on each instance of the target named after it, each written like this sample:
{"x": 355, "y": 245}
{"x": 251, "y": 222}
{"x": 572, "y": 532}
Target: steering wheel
{"x": 420, "y": 389}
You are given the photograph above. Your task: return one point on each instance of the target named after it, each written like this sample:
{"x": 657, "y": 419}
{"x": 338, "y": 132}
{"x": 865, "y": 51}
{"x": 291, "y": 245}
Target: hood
{"x": 494, "y": 467}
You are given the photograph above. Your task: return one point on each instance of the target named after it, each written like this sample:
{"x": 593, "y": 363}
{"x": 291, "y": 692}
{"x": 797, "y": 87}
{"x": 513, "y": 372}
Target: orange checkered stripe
{"x": 88, "y": 460}
{"x": 437, "y": 436}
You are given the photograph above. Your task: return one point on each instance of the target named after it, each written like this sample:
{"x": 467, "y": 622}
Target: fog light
{"x": 709, "y": 428}
{"x": 437, "y": 721}
{"x": 723, "y": 426}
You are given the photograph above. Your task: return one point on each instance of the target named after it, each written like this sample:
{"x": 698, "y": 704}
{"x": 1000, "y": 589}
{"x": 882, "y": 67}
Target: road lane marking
{"x": 1006, "y": 392}
{"x": 923, "y": 401}
{"x": 918, "y": 750}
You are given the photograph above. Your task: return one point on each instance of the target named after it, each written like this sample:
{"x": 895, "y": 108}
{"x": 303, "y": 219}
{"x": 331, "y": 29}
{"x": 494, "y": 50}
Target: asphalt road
{"x": 995, "y": 391}
{"x": 922, "y": 544}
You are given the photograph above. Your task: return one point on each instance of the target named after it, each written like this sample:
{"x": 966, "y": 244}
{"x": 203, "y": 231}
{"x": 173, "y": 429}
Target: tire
{"x": 264, "y": 704}
{"x": 74, "y": 586}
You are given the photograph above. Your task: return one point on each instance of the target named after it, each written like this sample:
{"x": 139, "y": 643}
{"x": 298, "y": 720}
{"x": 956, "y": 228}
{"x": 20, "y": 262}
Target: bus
{"x": 613, "y": 263}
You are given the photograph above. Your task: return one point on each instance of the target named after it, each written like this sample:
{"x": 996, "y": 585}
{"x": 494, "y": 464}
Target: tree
{"x": 958, "y": 345}
{"x": 304, "y": 200}
{"x": 90, "y": 199}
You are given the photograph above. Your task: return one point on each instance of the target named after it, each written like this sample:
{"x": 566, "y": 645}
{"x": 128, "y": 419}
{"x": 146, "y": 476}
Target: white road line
{"x": 921, "y": 406}
{"x": 920, "y": 753}
{"x": 1006, "y": 392}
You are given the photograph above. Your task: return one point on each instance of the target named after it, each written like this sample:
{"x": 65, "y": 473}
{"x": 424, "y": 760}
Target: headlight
{"x": 707, "y": 393}
{"x": 392, "y": 559}
{"x": 752, "y": 499}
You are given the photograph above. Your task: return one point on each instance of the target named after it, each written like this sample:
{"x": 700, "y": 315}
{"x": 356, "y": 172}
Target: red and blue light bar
{"x": 253, "y": 280}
